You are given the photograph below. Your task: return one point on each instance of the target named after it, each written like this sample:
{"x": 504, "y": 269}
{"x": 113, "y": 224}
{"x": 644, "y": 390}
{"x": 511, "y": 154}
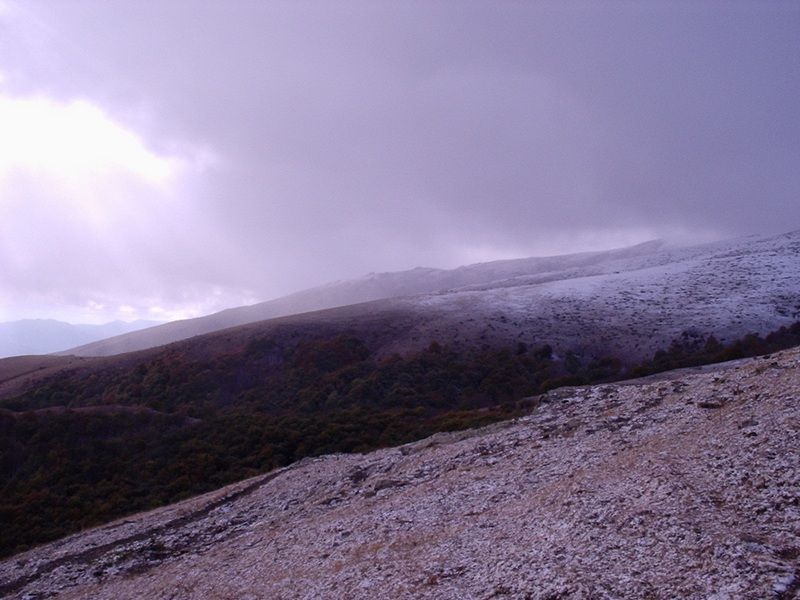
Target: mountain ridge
{"x": 726, "y": 289}
{"x": 538, "y": 285}
{"x": 371, "y": 287}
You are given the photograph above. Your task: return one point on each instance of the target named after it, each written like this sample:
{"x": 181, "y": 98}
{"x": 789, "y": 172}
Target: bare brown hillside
{"x": 685, "y": 485}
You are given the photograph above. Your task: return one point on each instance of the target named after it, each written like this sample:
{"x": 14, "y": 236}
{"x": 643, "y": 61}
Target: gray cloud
{"x": 360, "y": 136}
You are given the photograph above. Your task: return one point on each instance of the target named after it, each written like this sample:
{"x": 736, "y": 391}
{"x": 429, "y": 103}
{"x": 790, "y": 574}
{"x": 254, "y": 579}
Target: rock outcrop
{"x": 684, "y": 485}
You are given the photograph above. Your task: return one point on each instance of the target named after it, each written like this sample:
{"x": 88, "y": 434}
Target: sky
{"x": 168, "y": 159}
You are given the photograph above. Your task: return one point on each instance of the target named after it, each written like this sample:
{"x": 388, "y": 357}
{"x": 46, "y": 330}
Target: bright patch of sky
{"x": 73, "y": 143}
{"x": 169, "y": 159}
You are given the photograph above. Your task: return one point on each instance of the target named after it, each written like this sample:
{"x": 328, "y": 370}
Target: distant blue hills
{"x": 43, "y": 336}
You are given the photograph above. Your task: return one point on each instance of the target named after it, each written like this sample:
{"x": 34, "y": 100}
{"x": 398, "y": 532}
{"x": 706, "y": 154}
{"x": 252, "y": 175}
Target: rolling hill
{"x": 375, "y": 286}
{"x": 631, "y": 301}
{"x": 627, "y": 304}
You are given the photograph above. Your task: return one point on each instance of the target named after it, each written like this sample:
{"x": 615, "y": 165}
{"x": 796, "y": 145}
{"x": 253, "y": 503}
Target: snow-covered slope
{"x": 627, "y": 303}
{"x": 374, "y": 286}
{"x": 629, "y": 307}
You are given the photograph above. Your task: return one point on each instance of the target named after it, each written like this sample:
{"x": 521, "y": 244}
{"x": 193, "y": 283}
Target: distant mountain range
{"x": 43, "y": 336}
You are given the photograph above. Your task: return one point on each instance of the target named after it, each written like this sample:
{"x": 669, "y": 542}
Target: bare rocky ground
{"x": 685, "y": 485}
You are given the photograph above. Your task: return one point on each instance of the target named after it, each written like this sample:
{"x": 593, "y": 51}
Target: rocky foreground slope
{"x": 686, "y": 485}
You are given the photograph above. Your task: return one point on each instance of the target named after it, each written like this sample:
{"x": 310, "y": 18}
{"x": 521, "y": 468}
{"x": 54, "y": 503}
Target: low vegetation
{"x": 80, "y": 451}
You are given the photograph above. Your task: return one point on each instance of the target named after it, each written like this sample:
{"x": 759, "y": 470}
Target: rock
{"x": 383, "y": 484}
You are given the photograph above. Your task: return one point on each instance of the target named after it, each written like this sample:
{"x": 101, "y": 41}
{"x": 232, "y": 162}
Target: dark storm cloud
{"x": 351, "y": 137}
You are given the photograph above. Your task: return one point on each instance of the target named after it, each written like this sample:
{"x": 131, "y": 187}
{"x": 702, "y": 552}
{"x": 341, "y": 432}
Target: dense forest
{"x": 79, "y": 451}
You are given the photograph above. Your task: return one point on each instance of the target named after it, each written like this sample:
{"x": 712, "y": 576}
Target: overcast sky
{"x": 168, "y": 159}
